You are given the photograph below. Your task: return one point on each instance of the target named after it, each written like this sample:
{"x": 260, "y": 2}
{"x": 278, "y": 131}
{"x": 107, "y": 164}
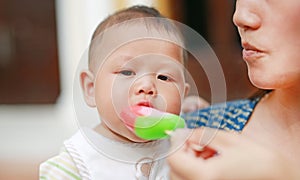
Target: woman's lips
{"x": 251, "y": 52}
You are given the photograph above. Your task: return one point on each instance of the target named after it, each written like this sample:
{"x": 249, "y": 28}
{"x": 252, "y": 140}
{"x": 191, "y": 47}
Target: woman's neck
{"x": 278, "y": 111}
{"x": 276, "y": 122}
{"x": 285, "y": 106}
{"x": 276, "y": 114}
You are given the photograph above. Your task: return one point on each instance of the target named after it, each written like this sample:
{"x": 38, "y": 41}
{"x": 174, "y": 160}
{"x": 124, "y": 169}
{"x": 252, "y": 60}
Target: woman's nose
{"x": 246, "y": 15}
{"x": 145, "y": 85}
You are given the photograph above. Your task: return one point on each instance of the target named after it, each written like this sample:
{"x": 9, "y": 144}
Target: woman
{"x": 239, "y": 158}
{"x": 269, "y": 33}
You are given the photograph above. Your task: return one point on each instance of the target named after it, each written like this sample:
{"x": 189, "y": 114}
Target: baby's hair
{"x": 136, "y": 12}
{"x": 130, "y": 13}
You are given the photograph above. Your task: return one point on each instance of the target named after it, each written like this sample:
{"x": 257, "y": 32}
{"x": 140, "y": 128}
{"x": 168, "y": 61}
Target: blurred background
{"x": 41, "y": 43}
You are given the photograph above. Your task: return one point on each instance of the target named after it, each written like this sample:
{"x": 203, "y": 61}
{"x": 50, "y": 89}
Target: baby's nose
{"x": 146, "y": 85}
{"x": 146, "y": 91}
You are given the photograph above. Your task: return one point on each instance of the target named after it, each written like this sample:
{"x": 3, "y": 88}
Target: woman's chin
{"x": 260, "y": 80}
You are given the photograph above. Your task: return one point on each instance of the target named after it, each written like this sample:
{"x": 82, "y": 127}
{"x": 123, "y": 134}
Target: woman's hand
{"x": 238, "y": 157}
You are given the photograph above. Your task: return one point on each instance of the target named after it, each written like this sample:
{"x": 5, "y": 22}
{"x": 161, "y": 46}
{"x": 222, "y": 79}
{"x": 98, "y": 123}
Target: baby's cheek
{"x": 174, "y": 105}
{"x": 174, "y": 96}
{"x": 121, "y": 92}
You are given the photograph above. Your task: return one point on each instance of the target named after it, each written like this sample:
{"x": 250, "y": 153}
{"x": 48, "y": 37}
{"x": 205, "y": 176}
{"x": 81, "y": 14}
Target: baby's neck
{"x": 104, "y": 131}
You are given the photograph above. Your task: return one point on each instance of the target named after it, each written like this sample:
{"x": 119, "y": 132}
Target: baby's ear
{"x": 187, "y": 88}
{"x": 88, "y": 89}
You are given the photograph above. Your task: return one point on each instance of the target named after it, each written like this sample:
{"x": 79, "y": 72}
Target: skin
{"x": 269, "y": 33}
{"x": 260, "y": 24}
{"x": 137, "y": 73}
{"x": 273, "y": 63}
{"x": 237, "y": 153}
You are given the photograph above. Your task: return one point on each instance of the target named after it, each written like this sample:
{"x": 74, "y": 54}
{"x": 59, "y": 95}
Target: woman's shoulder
{"x": 232, "y": 115}
{"x": 61, "y": 166}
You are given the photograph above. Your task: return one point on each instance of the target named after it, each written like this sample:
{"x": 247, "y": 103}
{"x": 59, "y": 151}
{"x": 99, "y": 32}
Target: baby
{"x": 136, "y": 58}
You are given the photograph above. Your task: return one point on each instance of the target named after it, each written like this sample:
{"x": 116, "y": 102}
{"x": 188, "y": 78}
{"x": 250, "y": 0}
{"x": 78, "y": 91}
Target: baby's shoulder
{"x": 61, "y": 166}
{"x": 232, "y": 115}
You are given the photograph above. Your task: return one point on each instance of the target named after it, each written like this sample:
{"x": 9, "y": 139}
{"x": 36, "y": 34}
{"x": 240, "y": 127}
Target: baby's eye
{"x": 163, "y": 78}
{"x": 127, "y": 73}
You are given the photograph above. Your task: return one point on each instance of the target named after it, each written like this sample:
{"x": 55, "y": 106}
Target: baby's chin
{"x": 139, "y": 140}
{"x": 121, "y": 135}
{"x": 135, "y": 139}
{"x": 127, "y": 136}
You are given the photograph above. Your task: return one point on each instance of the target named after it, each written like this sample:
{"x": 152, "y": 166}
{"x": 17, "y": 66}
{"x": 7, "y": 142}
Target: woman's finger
{"x": 178, "y": 170}
{"x": 214, "y": 138}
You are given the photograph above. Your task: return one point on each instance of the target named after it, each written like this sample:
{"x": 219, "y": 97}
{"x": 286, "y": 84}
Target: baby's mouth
{"x": 130, "y": 114}
{"x": 150, "y": 124}
{"x": 145, "y": 104}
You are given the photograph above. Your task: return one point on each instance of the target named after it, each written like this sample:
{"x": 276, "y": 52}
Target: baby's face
{"x": 144, "y": 72}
